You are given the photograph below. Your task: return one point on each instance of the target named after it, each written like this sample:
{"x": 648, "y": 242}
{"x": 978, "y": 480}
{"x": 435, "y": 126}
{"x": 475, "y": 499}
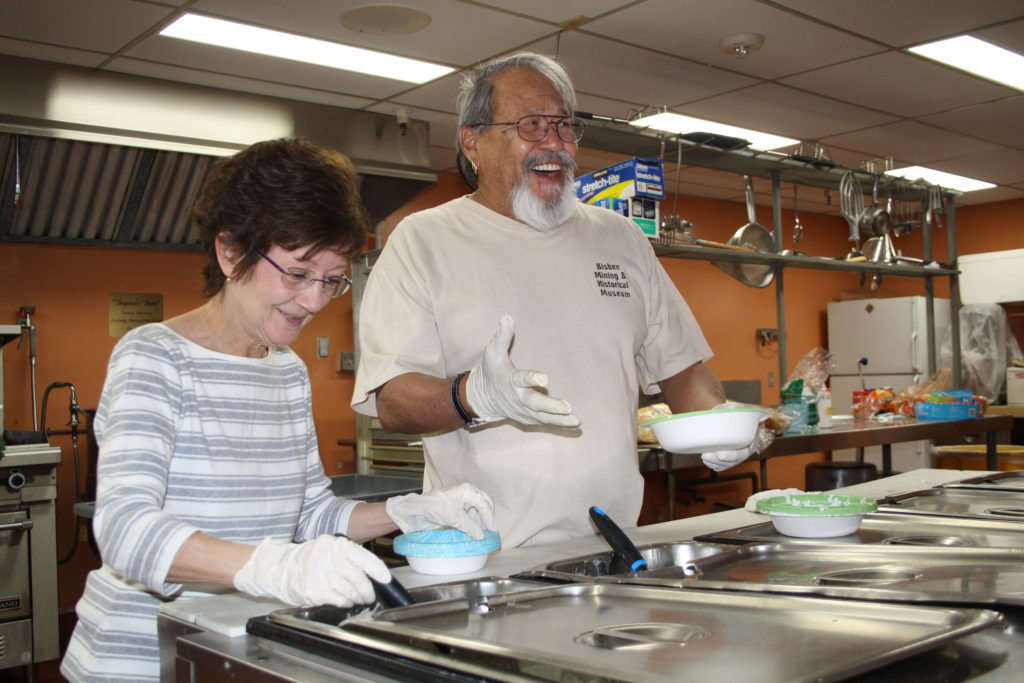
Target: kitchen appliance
{"x": 28, "y": 536}
{"x": 892, "y": 338}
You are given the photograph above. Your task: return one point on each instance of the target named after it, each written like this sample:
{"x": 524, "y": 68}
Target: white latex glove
{"x": 325, "y": 571}
{"x": 496, "y": 389}
{"x": 723, "y": 460}
{"x": 462, "y": 506}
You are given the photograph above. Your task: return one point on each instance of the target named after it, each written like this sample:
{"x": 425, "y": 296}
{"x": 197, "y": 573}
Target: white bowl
{"x": 816, "y": 515}
{"x": 446, "y": 551}
{"x": 443, "y": 566}
{"x": 724, "y": 429}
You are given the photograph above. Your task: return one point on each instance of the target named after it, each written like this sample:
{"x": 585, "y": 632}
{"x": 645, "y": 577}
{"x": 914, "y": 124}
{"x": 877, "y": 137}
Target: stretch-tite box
{"x": 633, "y": 188}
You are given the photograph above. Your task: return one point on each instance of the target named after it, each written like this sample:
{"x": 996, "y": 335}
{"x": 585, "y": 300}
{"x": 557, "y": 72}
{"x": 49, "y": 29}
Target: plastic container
{"x": 825, "y": 409}
{"x": 816, "y": 515}
{"x": 446, "y": 551}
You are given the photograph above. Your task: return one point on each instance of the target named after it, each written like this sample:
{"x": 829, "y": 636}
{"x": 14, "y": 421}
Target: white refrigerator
{"x": 892, "y": 336}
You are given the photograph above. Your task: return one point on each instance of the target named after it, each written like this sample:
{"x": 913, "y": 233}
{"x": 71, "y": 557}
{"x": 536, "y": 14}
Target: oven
{"x": 28, "y": 555}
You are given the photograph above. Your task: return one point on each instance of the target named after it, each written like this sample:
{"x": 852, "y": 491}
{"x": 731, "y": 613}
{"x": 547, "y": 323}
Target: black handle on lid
{"x": 392, "y": 593}
{"x": 618, "y": 540}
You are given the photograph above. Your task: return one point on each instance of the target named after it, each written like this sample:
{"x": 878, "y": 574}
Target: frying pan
{"x": 751, "y": 237}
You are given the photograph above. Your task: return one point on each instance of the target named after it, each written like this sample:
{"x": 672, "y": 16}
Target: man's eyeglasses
{"x": 534, "y": 128}
{"x": 297, "y": 278}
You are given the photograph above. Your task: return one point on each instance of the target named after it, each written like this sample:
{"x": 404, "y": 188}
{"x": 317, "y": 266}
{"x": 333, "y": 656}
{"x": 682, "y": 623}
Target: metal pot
{"x": 753, "y": 237}
{"x": 874, "y": 220}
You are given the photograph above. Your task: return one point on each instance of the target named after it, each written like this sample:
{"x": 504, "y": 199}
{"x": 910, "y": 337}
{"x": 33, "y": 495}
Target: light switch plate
{"x": 322, "y": 347}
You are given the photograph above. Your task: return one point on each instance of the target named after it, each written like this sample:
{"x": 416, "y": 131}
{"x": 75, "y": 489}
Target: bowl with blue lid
{"x": 446, "y": 551}
{"x": 816, "y": 515}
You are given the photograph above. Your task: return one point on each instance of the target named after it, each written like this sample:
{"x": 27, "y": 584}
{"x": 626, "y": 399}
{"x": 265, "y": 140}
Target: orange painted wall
{"x": 69, "y": 286}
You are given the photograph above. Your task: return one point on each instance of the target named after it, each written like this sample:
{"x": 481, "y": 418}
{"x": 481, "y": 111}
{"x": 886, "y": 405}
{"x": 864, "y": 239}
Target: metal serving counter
{"x": 213, "y": 655}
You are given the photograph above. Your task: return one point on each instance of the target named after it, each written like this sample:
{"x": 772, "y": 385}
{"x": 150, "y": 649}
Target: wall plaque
{"x": 127, "y": 311}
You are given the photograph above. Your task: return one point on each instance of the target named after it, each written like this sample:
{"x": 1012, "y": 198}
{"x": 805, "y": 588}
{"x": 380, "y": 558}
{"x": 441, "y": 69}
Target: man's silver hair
{"x": 474, "y": 101}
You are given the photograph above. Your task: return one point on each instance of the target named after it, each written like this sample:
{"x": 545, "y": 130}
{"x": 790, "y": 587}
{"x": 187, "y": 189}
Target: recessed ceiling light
{"x": 677, "y": 123}
{"x": 949, "y": 181}
{"x": 236, "y": 36}
{"x": 978, "y": 57}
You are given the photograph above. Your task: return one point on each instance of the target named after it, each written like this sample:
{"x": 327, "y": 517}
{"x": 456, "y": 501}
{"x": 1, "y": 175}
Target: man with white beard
{"x": 540, "y": 414}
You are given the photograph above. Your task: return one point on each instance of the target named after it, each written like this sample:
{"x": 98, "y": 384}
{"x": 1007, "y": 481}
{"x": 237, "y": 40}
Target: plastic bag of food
{"x": 903, "y": 403}
{"x": 651, "y": 412}
{"x": 814, "y": 369}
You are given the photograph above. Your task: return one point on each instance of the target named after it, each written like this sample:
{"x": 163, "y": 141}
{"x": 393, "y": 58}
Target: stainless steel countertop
{"x": 507, "y": 562}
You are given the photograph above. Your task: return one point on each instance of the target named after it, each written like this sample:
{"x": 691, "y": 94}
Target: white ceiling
{"x": 830, "y": 71}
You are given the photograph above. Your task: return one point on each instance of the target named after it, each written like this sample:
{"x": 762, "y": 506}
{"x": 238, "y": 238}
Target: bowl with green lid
{"x": 816, "y": 515}
{"x": 719, "y": 429}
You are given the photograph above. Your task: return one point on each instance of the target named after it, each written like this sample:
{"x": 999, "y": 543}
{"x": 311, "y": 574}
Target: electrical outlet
{"x": 771, "y": 379}
{"x": 346, "y": 361}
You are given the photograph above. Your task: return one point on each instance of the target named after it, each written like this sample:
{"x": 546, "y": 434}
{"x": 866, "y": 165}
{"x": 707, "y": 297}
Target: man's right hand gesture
{"x": 497, "y": 390}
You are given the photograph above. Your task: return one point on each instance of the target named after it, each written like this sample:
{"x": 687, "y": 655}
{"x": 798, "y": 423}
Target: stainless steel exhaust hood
{"x": 106, "y": 159}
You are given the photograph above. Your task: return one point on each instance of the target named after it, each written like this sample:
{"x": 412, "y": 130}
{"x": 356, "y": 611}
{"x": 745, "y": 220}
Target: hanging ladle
{"x": 798, "y": 229}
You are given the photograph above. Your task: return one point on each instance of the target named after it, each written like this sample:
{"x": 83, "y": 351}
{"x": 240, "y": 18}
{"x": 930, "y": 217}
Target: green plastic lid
{"x": 715, "y": 411}
{"x": 817, "y": 505}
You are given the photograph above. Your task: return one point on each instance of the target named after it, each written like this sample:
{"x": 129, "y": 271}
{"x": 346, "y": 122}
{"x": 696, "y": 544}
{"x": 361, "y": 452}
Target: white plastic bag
{"x": 986, "y": 349}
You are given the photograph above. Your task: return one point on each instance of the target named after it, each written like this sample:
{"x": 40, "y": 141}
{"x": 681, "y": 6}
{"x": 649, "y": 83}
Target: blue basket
{"x": 445, "y": 543}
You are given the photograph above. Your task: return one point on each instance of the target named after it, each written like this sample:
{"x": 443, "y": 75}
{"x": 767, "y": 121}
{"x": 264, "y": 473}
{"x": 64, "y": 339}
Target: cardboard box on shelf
{"x": 1015, "y": 386}
{"x": 633, "y": 188}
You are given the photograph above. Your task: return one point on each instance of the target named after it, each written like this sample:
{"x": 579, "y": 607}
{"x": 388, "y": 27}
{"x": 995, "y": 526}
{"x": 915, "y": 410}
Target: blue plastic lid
{"x": 445, "y": 543}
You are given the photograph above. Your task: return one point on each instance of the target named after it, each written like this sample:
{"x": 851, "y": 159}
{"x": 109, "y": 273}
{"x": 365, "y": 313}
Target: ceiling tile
{"x": 785, "y": 111}
{"x": 1002, "y": 166}
{"x": 229, "y": 82}
{"x": 600, "y": 66}
{"x": 438, "y": 95}
{"x": 492, "y": 32}
{"x": 694, "y": 28}
{"x": 898, "y": 83}
{"x": 910, "y": 140}
{"x": 219, "y": 60}
{"x": 50, "y": 53}
{"x": 82, "y": 25}
{"x": 1009, "y": 35}
{"x": 995, "y": 194}
{"x": 907, "y": 22}
{"x": 561, "y": 11}
{"x": 998, "y": 122}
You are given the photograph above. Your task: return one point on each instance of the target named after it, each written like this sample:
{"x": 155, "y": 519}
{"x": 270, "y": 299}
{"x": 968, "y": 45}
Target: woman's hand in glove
{"x": 496, "y": 389}
{"x": 462, "y": 506}
{"x": 723, "y": 460}
{"x": 325, "y": 571}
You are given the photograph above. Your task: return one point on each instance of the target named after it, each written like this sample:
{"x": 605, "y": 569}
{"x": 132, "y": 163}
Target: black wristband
{"x": 459, "y": 408}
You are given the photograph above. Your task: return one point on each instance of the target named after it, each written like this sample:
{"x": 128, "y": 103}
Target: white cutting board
{"x": 225, "y": 614}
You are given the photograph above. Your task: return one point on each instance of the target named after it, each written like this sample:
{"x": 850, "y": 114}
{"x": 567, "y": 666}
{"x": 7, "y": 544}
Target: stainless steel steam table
{"x": 254, "y": 658}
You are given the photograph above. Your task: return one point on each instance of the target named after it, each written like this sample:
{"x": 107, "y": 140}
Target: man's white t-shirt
{"x": 593, "y": 309}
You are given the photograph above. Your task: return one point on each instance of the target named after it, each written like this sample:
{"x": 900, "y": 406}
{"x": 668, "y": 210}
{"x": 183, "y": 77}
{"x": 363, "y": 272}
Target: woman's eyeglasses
{"x": 297, "y": 278}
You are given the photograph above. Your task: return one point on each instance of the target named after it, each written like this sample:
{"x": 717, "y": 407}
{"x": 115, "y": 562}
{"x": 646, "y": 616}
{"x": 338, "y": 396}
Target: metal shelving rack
{"x": 619, "y": 137}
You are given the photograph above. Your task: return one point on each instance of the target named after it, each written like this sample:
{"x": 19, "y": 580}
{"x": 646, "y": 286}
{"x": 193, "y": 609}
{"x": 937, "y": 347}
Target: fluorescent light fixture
{"x": 677, "y": 123}
{"x": 947, "y": 180}
{"x": 264, "y": 41}
{"x": 978, "y": 57}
